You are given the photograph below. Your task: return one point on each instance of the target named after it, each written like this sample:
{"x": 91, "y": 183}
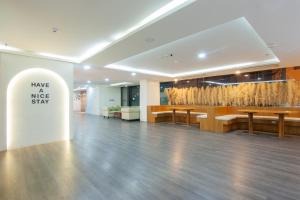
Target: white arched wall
{"x": 29, "y": 124}
{"x": 11, "y": 67}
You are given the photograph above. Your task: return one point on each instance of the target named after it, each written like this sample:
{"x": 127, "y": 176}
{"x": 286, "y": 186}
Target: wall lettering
{"x": 41, "y": 96}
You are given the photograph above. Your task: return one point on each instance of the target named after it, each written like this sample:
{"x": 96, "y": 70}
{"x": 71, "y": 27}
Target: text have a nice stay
{"x": 42, "y": 95}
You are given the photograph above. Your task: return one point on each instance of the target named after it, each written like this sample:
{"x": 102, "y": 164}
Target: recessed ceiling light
{"x": 89, "y": 82}
{"x": 107, "y": 79}
{"x": 175, "y": 80}
{"x": 238, "y": 72}
{"x": 246, "y": 75}
{"x": 202, "y": 55}
{"x": 86, "y": 67}
{"x": 133, "y": 74}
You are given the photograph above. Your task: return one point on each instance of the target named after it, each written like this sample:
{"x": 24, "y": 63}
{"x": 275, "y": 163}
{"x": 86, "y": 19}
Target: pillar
{"x": 149, "y": 95}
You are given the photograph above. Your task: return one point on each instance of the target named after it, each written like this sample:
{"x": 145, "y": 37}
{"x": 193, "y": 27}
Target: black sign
{"x": 41, "y": 94}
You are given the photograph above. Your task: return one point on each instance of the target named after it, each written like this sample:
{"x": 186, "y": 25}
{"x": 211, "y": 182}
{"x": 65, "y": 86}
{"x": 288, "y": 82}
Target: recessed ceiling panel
{"x": 232, "y": 43}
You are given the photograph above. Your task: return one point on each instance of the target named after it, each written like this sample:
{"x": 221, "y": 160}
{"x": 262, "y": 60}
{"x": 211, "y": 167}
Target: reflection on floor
{"x": 114, "y": 159}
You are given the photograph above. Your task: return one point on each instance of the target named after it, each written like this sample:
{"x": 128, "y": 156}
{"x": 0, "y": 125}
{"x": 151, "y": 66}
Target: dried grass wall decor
{"x": 244, "y": 94}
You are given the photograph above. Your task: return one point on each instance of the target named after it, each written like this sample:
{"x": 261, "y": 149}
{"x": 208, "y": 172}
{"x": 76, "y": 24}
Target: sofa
{"x": 130, "y": 113}
{"x": 110, "y": 111}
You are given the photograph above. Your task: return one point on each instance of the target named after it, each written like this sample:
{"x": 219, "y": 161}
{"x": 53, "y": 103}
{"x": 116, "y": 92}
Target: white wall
{"x": 39, "y": 122}
{"x": 99, "y": 96}
{"x": 149, "y": 95}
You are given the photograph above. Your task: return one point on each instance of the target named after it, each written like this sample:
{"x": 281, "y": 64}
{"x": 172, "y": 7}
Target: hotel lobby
{"x": 140, "y": 99}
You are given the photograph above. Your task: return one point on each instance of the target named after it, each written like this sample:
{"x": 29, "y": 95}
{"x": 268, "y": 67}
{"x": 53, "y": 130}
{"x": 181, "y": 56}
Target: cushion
{"x": 231, "y": 117}
{"x": 202, "y": 116}
{"x": 265, "y": 117}
{"x": 292, "y": 119}
{"x": 181, "y": 111}
{"x": 162, "y": 112}
{"x": 226, "y": 117}
{"x": 198, "y": 113}
{"x": 130, "y": 109}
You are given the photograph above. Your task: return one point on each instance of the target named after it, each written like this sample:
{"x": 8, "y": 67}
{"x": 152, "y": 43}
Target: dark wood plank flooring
{"x": 112, "y": 159}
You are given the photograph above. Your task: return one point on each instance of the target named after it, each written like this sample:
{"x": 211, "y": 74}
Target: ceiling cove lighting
{"x": 215, "y": 69}
{"x": 196, "y": 72}
{"x": 9, "y": 48}
{"x": 58, "y": 57}
{"x": 89, "y": 53}
{"x": 228, "y": 67}
{"x": 133, "y": 74}
{"x": 86, "y": 67}
{"x": 142, "y": 71}
{"x": 118, "y": 36}
{"x": 163, "y": 11}
{"x": 155, "y": 16}
{"x": 121, "y": 84}
{"x": 93, "y": 50}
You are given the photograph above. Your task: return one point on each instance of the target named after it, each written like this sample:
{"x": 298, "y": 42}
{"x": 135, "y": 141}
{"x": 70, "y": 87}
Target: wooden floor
{"x": 111, "y": 159}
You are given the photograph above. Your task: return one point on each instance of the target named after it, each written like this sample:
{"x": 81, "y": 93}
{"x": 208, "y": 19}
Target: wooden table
{"x": 281, "y": 115}
{"x": 188, "y": 113}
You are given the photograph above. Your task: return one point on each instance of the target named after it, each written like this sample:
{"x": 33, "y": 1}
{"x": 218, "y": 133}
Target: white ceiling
{"x": 27, "y": 25}
{"x": 81, "y": 24}
{"x": 234, "y": 42}
{"x": 275, "y": 21}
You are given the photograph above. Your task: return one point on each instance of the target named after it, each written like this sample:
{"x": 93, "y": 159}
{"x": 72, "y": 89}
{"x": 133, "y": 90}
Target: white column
{"x": 93, "y": 101}
{"x": 149, "y": 95}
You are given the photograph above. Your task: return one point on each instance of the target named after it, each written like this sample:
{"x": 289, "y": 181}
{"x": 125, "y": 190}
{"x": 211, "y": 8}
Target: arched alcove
{"x": 37, "y": 108}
